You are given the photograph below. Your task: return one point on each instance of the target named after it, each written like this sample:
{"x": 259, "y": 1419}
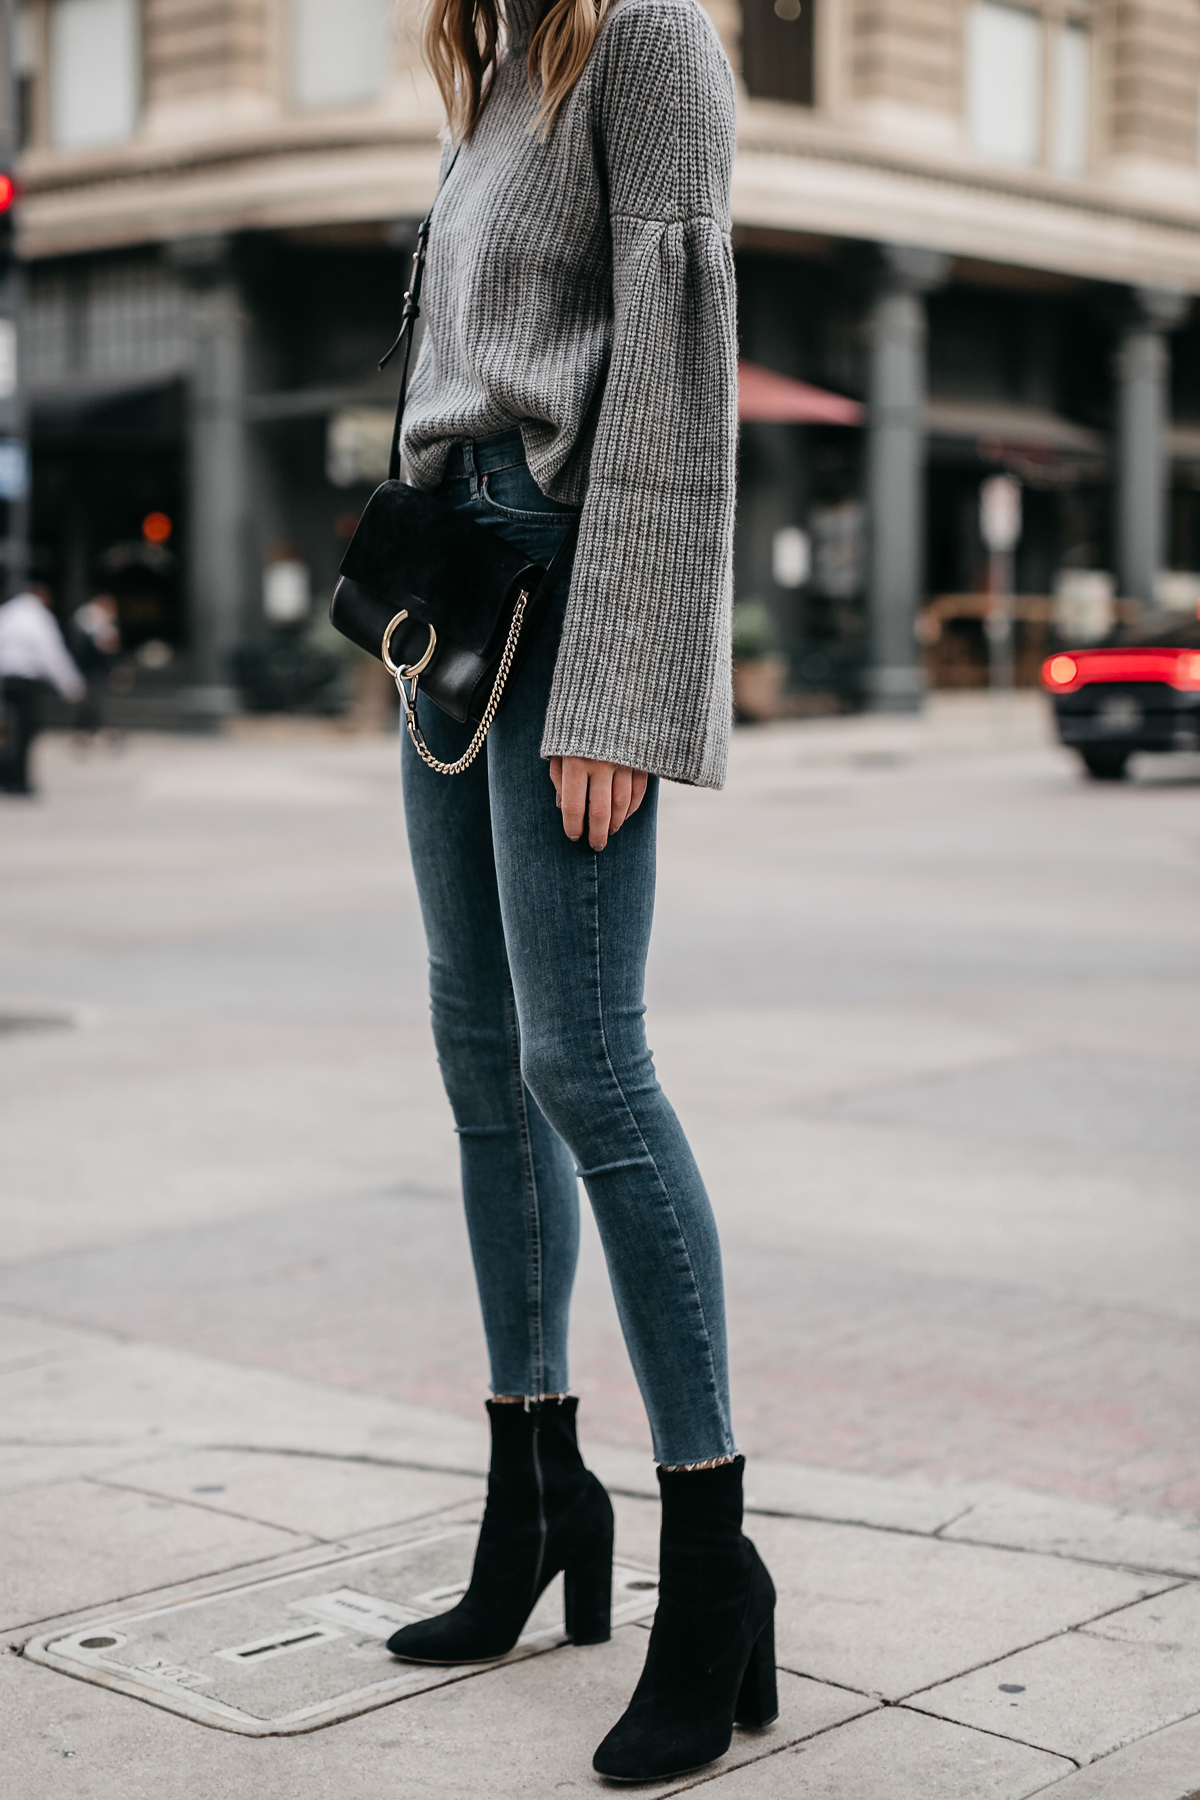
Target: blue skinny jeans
{"x": 537, "y": 956}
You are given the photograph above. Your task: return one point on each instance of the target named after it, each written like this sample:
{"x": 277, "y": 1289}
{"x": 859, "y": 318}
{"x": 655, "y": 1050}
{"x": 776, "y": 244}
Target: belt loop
{"x": 472, "y": 466}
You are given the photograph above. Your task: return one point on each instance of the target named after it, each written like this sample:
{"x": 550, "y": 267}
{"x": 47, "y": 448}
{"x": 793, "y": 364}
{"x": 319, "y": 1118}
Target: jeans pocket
{"x": 514, "y": 494}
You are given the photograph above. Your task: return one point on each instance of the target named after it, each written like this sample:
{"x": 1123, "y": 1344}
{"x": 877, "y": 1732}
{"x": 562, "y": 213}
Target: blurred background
{"x": 967, "y": 245}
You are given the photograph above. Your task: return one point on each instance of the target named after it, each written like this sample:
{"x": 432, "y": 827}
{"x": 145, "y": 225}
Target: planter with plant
{"x": 759, "y": 672}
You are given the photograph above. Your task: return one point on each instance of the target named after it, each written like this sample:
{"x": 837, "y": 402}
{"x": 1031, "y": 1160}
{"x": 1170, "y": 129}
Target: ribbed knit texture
{"x": 582, "y": 289}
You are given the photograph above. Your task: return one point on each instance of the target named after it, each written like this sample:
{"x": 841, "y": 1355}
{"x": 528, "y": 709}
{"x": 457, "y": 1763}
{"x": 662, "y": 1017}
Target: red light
{"x": 8, "y": 192}
{"x": 156, "y": 528}
{"x": 1139, "y": 662}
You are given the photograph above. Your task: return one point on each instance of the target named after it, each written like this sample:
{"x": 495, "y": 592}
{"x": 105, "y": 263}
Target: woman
{"x": 579, "y": 366}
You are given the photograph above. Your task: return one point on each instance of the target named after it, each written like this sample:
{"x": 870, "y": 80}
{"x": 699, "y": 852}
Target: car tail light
{"x": 1165, "y": 663}
{"x": 1060, "y": 671}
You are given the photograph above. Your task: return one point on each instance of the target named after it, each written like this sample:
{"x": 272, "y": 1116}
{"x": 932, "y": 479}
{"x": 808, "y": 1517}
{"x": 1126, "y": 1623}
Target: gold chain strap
{"x": 409, "y": 702}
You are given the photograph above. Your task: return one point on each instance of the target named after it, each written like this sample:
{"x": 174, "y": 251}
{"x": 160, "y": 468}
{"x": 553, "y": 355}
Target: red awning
{"x": 767, "y": 397}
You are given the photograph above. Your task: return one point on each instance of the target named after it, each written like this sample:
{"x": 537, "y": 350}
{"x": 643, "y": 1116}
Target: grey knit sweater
{"x": 582, "y": 289}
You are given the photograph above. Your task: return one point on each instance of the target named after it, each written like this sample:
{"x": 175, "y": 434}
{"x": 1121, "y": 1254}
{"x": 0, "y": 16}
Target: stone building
{"x": 981, "y": 219}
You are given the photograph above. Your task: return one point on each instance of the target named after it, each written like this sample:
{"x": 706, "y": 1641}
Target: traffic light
{"x": 8, "y": 244}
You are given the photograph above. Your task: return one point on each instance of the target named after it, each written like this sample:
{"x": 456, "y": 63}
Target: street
{"x": 928, "y": 1004}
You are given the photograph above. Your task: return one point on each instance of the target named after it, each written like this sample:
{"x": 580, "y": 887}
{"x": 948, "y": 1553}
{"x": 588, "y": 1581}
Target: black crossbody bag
{"x": 438, "y": 598}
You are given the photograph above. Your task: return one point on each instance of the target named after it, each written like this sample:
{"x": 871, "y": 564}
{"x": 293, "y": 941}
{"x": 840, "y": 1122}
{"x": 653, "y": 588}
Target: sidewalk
{"x": 929, "y": 1008}
{"x": 937, "y": 1643}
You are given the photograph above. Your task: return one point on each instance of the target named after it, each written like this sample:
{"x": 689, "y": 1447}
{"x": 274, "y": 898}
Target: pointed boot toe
{"x": 450, "y": 1638}
{"x": 413, "y": 1642}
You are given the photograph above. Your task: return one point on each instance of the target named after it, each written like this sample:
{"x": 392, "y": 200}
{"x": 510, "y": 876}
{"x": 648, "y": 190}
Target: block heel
{"x": 587, "y": 1598}
{"x": 758, "y": 1697}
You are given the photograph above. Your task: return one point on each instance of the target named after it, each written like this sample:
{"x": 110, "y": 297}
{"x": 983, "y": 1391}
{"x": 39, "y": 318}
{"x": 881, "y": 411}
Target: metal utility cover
{"x": 292, "y": 1652}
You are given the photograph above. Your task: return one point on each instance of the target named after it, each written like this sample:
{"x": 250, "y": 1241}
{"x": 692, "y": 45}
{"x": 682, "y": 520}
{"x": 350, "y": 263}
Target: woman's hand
{"x": 601, "y": 794}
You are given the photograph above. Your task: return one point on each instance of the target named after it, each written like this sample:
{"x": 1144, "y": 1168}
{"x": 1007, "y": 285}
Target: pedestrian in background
{"x": 32, "y": 656}
{"x": 579, "y": 365}
{"x": 96, "y": 642}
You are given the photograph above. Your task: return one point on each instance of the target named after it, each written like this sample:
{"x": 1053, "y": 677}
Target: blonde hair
{"x": 462, "y": 40}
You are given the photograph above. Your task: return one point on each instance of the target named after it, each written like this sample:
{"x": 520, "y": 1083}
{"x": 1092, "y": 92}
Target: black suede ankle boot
{"x": 545, "y": 1513}
{"x": 711, "y": 1660}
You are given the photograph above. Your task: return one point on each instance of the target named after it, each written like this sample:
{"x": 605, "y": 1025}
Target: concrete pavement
{"x": 927, "y": 1005}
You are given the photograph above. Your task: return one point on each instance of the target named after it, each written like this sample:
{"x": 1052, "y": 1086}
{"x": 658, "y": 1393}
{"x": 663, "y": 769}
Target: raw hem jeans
{"x": 537, "y": 954}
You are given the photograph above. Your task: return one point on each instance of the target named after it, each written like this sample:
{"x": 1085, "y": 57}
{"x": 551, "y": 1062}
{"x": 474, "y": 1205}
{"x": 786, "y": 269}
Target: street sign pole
{"x": 14, "y": 436}
{"x": 1000, "y": 529}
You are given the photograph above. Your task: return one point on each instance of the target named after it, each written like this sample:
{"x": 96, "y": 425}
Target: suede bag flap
{"x": 411, "y": 550}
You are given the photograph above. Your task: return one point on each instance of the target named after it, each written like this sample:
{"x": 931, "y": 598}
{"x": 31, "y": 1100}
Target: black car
{"x": 1118, "y": 698}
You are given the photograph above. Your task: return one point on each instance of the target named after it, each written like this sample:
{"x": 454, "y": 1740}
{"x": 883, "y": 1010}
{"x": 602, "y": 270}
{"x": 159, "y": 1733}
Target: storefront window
{"x": 94, "y": 72}
{"x": 338, "y": 50}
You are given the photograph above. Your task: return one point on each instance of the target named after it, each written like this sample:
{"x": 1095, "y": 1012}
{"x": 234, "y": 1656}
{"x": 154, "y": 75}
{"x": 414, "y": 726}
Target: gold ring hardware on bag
{"x": 409, "y": 702}
{"x": 406, "y": 671}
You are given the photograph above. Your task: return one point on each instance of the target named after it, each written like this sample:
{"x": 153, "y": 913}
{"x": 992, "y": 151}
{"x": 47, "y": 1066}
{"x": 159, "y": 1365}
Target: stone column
{"x": 1143, "y": 470}
{"x": 896, "y": 474}
{"x": 219, "y": 519}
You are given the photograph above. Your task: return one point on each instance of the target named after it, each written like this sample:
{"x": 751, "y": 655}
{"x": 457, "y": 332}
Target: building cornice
{"x": 767, "y": 128}
{"x": 53, "y": 171}
{"x": 833, "y": 183}
{"x": 794, "y": 173}
{"x": 324, "y": 184}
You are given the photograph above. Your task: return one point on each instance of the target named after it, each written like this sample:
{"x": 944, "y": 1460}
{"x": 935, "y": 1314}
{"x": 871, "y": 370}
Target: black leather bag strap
{"x": 410, "y": 313}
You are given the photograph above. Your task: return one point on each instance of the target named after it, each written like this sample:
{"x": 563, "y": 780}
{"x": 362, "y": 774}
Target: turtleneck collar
{"x": 520, "y": 18}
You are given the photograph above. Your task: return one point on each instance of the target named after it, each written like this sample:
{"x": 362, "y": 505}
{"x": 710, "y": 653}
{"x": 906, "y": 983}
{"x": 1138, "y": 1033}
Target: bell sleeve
{"x": 643, "y": 673}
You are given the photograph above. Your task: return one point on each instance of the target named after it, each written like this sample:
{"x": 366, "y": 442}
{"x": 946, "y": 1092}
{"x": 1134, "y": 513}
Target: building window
{"x": 27, "y": 66}
{"x": 1004, "y": 82}
{"x": 94, "y": 72}
{"x": 126, "y": 317}
{"x": 339, "y": 50}
{"x": 1014, "y": 113}
{"x": 136, "y": 320}
{"x": 1072, "y": 99}
{"x": 777, "y": 49}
